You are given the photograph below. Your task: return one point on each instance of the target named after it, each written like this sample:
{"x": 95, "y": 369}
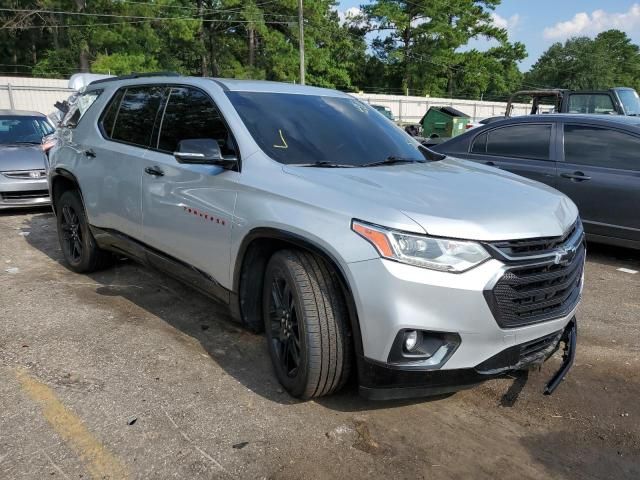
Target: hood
{"x": 455, "y": 198}
{"x": 21, "y": 157}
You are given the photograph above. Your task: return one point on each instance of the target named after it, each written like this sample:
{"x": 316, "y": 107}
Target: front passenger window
{"x": 191, "y": 114}
{"x": 600, "y": 147}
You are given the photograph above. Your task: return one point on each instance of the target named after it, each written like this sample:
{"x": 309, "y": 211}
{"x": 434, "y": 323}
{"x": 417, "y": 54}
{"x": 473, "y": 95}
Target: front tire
{"x": 78, "y": 245}
{"x": 306, "y": 323}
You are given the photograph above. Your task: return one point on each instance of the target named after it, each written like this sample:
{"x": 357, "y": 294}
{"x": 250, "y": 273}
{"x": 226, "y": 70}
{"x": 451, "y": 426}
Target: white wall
{"x": 38, "y": 94}
{"x": 409, "y": 109}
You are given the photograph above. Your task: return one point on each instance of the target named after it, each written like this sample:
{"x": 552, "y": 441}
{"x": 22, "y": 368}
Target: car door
{"x": 187, "y": 208}
{"x": 524, "y": 148}
{"x": 600, "y": 172}
{"x": 111, "y": 172}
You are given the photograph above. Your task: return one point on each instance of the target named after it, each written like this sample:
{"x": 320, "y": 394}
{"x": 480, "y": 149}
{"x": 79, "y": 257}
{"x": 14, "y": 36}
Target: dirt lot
{"x": 126, "y": 373}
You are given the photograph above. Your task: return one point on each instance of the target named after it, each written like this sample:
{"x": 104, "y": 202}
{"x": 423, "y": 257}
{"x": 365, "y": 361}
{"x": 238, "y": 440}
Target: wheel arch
{"x": 61, "y": 181}
{"x": 256, "y": 249}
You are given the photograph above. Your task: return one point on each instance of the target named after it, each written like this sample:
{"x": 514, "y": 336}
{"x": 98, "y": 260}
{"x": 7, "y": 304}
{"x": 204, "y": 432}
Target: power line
{"x": 135, "y": 17}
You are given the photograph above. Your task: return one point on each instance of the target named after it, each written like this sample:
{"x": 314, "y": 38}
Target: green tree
{"x": 608, "y": 60}
{"x": 423, "y": 38}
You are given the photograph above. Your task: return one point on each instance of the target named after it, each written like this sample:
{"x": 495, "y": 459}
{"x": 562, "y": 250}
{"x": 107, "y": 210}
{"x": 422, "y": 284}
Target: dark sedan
{"x": 23, "y": 181}
{"x": 593, "y": 159}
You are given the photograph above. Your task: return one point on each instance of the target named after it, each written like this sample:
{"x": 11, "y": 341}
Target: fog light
{"x": 423, "y": 349}
{"x": 410, "y": 340}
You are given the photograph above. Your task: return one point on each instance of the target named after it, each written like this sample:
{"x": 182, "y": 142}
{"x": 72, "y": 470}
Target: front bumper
{"x": 384, "y": 382}
{"x": 391, "y": 296}
{"x": 23, "y": 193}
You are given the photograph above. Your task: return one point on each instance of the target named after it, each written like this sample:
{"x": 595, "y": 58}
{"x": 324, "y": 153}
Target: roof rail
{"x": 136, "y": 75}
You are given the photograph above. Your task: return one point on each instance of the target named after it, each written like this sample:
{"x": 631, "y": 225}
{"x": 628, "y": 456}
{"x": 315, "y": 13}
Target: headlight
{"x": 422, "y": 251}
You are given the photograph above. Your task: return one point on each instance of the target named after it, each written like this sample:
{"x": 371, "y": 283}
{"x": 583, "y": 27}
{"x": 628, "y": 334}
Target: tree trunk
{"x": 215, "y": 68}
{"x": 204, "y": 61}
{"x": 406, "y": 77}
{"x": 252, "y": 46}
{"x": 84, "y": 58}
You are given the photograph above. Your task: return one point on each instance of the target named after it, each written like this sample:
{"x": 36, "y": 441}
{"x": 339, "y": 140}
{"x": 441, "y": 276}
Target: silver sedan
{"x": 23, "y": 180}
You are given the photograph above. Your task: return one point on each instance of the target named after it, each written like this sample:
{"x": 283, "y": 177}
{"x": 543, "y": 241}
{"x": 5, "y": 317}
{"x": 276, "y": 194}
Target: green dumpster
{"x": 444, "y": 122}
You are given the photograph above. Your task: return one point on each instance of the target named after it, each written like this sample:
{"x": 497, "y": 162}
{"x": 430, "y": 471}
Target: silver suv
{"x": 318, "y": 221}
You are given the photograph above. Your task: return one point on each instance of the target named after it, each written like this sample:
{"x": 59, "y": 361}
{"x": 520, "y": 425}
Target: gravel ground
{"x": 126, "y": 373}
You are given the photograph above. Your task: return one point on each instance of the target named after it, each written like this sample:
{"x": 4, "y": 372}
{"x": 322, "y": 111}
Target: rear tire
{"x": 78, "y": 245}
{"x": 306, "y": 323}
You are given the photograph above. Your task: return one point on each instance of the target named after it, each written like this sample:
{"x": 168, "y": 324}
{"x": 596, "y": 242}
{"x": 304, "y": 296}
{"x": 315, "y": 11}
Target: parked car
{"x": 23, "y": 181}
{"x": 318, "y": 221}
{"x": 482, "y": 122}
{"x": 614, "y": 101}
{"x": 591, "y": 158}
{"x": 386, "y": 111}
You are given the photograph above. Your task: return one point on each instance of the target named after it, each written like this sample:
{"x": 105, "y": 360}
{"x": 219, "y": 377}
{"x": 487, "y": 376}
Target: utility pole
{"x": 301, "y": 41}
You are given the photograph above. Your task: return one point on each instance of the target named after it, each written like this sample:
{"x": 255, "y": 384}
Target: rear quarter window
{"x": 522, "y": 141}
{"x": 130, "y": 118}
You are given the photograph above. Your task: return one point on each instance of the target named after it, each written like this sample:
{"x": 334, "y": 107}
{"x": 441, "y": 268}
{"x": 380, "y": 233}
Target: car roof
{"x": 21, "y": 113}
{"x": 227, "y": 84}
{"x": 274, "y": 87}
{"x": 571, "y": 117}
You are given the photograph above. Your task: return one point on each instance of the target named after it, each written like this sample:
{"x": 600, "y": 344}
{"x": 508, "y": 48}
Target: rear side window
{"x": 591, "y": 103}
{"x": 191, "y": 114}
{"x": 524, "y": 141}
{"x": 479, "y": 144}
{"x": 133, "y": 121}
{"x": 602, "y": 147}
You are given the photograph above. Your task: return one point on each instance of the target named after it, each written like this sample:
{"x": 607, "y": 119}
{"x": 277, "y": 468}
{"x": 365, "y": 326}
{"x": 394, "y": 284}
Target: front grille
{"x": 514, "y": 249}
{"x": 24, "y": 195}
{"x": 541, "y": 287}
{"x": 26, "y": 174}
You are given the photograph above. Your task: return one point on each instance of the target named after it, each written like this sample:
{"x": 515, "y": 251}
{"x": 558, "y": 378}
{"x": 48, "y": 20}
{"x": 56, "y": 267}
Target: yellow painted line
{"x": 100, "y": 463}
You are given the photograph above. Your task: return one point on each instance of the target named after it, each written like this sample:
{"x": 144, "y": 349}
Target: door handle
{"x": 90, "y": 153}
{"x": 576, "y": 176}
{"x": 155, "y": 171}
{"x": 491, "y": 164}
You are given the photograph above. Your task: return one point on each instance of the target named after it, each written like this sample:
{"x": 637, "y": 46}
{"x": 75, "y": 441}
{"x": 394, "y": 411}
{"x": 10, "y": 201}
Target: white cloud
{"x": 509, "y": 24}
{"x": 598, "y": 21}
{"x": 353, "y": 15}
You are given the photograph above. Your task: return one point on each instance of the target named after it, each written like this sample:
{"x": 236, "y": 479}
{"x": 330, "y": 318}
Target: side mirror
{"x": 203, "y": 151}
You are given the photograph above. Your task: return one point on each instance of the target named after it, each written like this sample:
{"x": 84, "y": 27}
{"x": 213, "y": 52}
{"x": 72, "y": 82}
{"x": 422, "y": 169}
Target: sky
{"x": 540, "y": 23}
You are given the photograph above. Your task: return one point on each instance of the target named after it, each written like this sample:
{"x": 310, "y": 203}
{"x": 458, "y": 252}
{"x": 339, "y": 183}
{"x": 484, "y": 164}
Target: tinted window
{"x": 479, "y": 144}
{"x": 303, "y": 129}
{"x": 137, "y": 114}
{"x": 191, "y": 114}
{"x": 110, "y": 113}
{"x": 16, "y": 129}
{"x": 526, "y": 141}
{"x": 586, "y": 145}
{"x": 591, "y": 103}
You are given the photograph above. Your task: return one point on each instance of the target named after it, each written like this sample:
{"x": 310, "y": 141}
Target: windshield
{"x": 630, "y": 101}
{"x": 313, "y": 129}
{"x": 23, "y": 129}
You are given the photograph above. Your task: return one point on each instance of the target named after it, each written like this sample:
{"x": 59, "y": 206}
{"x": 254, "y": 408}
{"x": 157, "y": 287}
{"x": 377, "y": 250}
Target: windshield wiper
{"x": 325, "y": 164}
{"x": 392, "y": 160}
